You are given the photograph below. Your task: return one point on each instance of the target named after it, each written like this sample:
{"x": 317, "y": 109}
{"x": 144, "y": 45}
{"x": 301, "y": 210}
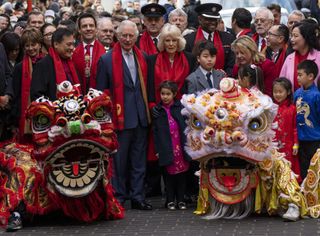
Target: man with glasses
{"x": 105, "y": 32}
{"x": 277, "y": 45}
{"x": 123, "y": 72}
{"x": 88, "y": 52}
{"x": 208, "y": 16}
{"x": 263, "y": 21}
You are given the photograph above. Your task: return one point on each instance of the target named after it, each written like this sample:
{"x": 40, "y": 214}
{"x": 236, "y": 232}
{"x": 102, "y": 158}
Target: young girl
{"x": 168, "y": 127}
{"x": 251, "y": 77}
{"x": 286, "y": 134}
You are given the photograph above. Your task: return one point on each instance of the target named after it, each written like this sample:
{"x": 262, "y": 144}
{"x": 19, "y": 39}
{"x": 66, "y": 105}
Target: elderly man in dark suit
{"x": 123, "y": 72}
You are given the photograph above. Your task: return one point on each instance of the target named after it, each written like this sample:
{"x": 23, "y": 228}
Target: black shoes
{"x": 14, "y": 222}
{"x": 143, "y": 205}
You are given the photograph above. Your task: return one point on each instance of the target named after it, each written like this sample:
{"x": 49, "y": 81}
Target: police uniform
{"x": 222, "y": 41}
{"x": 146, "y": 42}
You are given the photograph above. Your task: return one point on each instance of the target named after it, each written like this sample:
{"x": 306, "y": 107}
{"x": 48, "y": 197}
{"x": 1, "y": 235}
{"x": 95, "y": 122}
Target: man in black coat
{"x": 208, "y": 15}
{"x": 54, "y": 67}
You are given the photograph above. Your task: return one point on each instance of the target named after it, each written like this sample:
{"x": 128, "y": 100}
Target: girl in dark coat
{"x": 168, "y": 127}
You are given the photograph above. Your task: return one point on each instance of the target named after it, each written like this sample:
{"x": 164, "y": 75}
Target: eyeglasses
{"x": 272, "y": 34}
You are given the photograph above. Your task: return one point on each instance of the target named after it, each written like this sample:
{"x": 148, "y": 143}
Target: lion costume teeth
{"x": 231, "y": 133}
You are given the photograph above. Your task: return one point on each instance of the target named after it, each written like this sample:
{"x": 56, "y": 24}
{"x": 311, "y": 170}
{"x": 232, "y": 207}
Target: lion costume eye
{"x": 196, "y": 123}
{"x": 41, "y": 122}
{"x": 258, "y": 124}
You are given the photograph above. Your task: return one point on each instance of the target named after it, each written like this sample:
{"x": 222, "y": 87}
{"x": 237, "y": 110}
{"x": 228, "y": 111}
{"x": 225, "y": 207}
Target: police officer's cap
{"x": 153, "y": 10}
{"x": 209, "y": 10}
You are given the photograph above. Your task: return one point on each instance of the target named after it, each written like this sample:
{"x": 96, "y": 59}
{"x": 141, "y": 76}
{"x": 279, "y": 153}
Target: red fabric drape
{"x": 147, "y": 45}
{"x": 79, "y": 63}
{"x": 244, "y": 32}
{"x": 177, "y": 73}
{"x": 297, "y": 59}
{"x": 58, "y": 66}
{"x": 218, "y": 45}
{"x": 280, "y": 60}
{"x": 25, "y": 92}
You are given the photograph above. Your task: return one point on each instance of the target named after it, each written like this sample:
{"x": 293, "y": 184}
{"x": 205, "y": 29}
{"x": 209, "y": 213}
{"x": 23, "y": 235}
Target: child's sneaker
{"x": 182, "y": 206}
{"x": 14, "y": 222}
{"x": 171, "y": 206}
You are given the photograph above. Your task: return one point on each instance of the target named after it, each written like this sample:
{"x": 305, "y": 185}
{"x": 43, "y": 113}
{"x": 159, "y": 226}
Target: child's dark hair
{"x": 310, "y": 67}
{"x": 255, "y": 75}
{"x": 204, "y": 45}
{"x": 284, "y": 82}
{"x": 168, "y": 84}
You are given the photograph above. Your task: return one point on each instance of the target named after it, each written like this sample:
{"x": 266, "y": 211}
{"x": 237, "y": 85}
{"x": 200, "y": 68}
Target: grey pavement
{"x": 161, "y": 221}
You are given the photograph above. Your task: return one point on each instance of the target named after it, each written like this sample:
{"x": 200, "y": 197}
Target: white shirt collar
{"x": 85, "y": 44}
{"x": 204, "y": 71}
{"x": 206, "y": 34}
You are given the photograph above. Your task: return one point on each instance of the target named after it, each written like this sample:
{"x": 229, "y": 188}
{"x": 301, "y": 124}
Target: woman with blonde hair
{"x": 172, "y": 64}
{"x": 246, "y": 52}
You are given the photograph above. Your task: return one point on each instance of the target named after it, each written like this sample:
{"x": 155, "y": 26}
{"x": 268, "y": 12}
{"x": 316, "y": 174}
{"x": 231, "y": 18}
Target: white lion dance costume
{"x": 230, "y": 132}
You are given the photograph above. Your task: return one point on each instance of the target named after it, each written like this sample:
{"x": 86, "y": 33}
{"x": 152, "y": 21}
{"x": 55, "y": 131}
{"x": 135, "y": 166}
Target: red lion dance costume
{"x": 68, "y": 166}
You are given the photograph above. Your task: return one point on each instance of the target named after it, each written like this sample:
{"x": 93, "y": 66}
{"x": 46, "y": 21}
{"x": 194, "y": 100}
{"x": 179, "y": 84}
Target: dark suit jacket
{"x": 44, "y": 80}
{"x": 134, "y": 106}
{"x": 197, "y": 81}
{"x": 227, "y": 39}
{"x": 5, "y": 74}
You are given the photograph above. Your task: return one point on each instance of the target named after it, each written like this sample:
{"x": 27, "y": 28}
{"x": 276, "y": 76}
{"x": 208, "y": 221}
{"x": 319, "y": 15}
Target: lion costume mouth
{"x": 229, "y": 179}
{"x": 76, "y": 167}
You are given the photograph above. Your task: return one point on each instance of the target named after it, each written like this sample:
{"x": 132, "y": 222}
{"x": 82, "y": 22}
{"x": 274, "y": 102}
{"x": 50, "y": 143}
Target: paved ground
{"x": 163, "y": 222}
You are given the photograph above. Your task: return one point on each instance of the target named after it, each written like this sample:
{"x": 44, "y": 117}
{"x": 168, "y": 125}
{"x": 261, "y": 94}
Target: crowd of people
{"x": 147, "y": 57}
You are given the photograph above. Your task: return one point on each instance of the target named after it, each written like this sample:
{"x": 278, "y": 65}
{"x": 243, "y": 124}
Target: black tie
{"x": 208, "y": 75}
{"x": 209, "y": 37}
{"x": 155, "y": 40}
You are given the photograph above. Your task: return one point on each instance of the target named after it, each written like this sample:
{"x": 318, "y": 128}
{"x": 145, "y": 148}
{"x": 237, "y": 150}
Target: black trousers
{"x": 175, "y": 186}
{"x": 306, "y": 151}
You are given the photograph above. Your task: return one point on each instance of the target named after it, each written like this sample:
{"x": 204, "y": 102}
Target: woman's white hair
{"x": 173, "y": 31}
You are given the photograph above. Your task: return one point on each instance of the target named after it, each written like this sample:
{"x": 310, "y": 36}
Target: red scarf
{"x": 79, "y": 63}
{"x": 58, "y": 67}
{"x": 255, "y": 38}
{"x": 244, "y": 32}
{"x": 218, "y": 45}
{"x": 297, "y": 59}
{"x": 25, "y": 93}
{"x": 117, "y": 81}
{"x": 280, "y": 60}
{"x": 177, "y": 73}
{"x": 146, "y": 44}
